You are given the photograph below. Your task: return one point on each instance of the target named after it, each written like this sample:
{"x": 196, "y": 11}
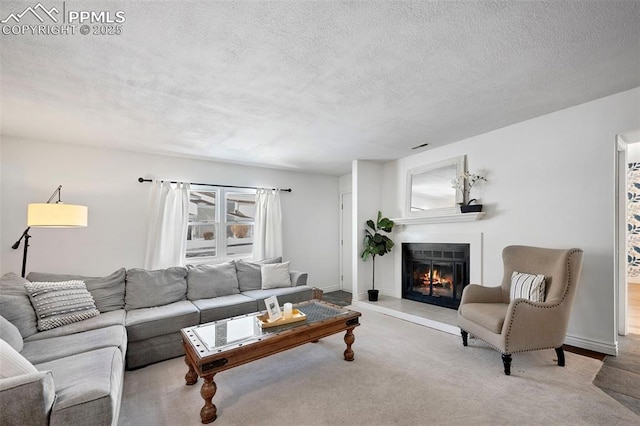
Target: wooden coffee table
{"x": 220, "y": 345}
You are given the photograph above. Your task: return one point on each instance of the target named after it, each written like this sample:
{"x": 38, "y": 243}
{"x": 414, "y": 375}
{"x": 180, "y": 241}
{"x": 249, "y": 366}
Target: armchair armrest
{"x": 535, "y": 325}
{"x": 298, "y": 278}
{"x": 475, "y": 293}
{"x": 27, "y": 399}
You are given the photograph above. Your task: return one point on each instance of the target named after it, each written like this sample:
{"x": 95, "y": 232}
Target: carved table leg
{"x": 208, "y": 412}
{"x": 349, "y": 338}
{"x": 191, "y": 377}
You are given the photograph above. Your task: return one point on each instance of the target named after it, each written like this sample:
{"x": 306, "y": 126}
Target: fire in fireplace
{"x": 435, "y": 273}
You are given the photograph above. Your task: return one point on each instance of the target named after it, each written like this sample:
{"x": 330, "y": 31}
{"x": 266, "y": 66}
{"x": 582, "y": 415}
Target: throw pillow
{"x": 527, "y": 286}
{"x": 249, "y": 277}
{"x": 10, "y": 334}
{"x": 208, "y": 281}
{"x": 275, "y": 275}
{"x": 146, "y": 289}
{"x": 13, "y": 364}
{"x": 15, "y": 305}
{"x": 107, "y": 292}
{"x": 61, "y": 303}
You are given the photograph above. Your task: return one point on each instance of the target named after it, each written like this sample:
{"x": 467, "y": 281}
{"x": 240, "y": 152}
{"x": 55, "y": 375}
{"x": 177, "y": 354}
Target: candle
{"x": 288, "y": 310}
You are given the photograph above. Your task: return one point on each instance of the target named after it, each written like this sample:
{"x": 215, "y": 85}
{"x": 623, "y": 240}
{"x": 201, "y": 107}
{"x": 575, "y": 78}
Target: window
{"x": 220, "y": 224}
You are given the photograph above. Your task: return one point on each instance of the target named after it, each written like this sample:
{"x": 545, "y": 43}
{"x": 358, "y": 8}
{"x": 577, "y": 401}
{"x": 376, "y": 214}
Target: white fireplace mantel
{"x": 448, "y": 218}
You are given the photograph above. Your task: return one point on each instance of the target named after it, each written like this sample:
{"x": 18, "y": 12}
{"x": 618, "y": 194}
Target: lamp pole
{"x": 26, "y": 237}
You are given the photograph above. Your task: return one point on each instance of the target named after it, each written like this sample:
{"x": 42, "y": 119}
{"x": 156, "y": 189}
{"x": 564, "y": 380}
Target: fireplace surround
{"x": 435, "y": 273}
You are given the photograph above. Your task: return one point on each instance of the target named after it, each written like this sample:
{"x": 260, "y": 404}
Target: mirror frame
{"x": 460, "y": 162}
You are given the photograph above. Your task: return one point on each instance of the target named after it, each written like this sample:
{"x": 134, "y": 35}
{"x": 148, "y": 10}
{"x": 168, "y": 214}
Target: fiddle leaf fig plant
{"x": 375, "y": 243}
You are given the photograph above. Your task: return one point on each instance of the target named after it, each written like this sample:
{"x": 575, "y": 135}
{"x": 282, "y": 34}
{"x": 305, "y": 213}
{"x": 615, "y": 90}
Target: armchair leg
{"x": 464, "y": 337}
{"x": 560, "y": 353}
{"x": 506, "y": 360}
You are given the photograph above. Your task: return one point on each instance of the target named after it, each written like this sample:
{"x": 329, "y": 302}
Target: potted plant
{"x": 376, "y": 244}
{"x": 464, "y": 183}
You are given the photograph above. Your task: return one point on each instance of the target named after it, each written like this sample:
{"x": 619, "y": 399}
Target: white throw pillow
{"x": 275, "y": 275}
{"x": 13, "y": 364}
{"x": 527, "y": 286}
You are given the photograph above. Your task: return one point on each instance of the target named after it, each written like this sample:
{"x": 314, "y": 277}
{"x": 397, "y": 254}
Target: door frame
{"x": 342, "y": 237}
{"x": 620, "y": 237}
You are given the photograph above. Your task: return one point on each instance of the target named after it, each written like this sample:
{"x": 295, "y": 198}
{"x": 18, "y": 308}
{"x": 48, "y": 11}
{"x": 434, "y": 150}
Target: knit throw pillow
{"x": 527, "y": 286}
{"x": 60, "y": 303}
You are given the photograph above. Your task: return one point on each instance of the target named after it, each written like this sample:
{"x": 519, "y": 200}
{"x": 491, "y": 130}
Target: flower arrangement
{"x": 471, "y": 179}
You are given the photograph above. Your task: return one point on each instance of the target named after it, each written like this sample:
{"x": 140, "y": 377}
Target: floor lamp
{"x": 51, "y": 215}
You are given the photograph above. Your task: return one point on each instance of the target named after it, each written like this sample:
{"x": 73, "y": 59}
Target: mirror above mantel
{"x": 430, "y": 192}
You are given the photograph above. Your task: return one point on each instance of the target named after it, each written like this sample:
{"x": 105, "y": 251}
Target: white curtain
{"x": 267, "y": 232}
{"x": 169, "y": 216}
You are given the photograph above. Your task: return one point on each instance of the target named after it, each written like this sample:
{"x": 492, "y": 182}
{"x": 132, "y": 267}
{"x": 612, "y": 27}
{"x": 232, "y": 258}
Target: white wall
{"x": 106, "y": 181}
{"x": 550, "y": 184}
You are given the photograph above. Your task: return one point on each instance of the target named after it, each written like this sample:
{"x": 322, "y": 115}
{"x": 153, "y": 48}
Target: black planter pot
{"x": 373, "y": 295}
{"x": 473, "y": 208}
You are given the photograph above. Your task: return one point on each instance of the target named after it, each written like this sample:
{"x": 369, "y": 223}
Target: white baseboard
{"x": 330, "y": 288}
{"x": 592, "y": 345}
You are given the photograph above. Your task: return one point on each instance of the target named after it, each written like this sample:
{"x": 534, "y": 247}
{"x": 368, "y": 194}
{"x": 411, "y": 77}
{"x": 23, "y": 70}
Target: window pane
{"x": 202, "y": 206}
{"x": 201, "y": 240}
{"x": 202, "y": 229}
{"x": 239, "y": 239}
{"x": 241, "y": 206}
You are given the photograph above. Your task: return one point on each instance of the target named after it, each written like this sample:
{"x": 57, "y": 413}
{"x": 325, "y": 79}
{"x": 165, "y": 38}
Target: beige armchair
{"x": 520, "y": 325}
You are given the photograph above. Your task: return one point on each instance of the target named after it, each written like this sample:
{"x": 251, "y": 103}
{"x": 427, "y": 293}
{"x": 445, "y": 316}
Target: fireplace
{"x": 435, "y": 273}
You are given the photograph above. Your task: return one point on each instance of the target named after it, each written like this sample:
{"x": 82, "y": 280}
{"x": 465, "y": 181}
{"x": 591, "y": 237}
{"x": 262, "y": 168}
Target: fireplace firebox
{"x": 435, "y": 273}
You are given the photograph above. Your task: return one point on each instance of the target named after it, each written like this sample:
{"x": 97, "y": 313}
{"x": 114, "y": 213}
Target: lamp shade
{"x": 56, "y": 215}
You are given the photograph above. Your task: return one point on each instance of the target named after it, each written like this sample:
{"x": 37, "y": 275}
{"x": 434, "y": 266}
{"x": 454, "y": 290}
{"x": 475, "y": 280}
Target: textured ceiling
{"x": 312, "y": 85}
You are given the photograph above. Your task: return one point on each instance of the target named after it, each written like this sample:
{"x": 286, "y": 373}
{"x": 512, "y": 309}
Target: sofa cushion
{"x": 88, "y": 387}
{"x": 225, "y": 307}
{"x": 285, "y": 295}
{"x": 15, "y": 305}
{"x": 207, "y": 281}
{"x": 149, "y": 322}
{"x": 103, "y": 320}
{"x": 527, "y": 286}
{"x": 107, "y": 292}
{"x": 10, "y": 334}
{"x": 249, "y": 277}
{"x": 13, "y": 364}
{"x": 275, "y": 275}
{"x": 60, "y": 303}
{"x": 489, "y": 315}
{"x": 39, "y": 351}
{"x": 146, "y": 289}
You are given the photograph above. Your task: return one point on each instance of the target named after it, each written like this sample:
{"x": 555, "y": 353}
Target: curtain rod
{"x": 141, "y": 180}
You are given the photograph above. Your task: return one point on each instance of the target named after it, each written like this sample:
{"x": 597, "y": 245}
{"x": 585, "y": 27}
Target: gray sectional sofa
{"x": 74, "y": 373}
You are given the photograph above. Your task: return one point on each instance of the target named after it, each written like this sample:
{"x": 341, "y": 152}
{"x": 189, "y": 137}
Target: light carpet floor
{"x": 403, "y": 374}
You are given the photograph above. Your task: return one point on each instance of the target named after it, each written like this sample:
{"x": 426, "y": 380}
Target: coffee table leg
{"x": 208, "y": 412}
{"x": 349, "y": 338}
{"x": 191, "y": 377}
